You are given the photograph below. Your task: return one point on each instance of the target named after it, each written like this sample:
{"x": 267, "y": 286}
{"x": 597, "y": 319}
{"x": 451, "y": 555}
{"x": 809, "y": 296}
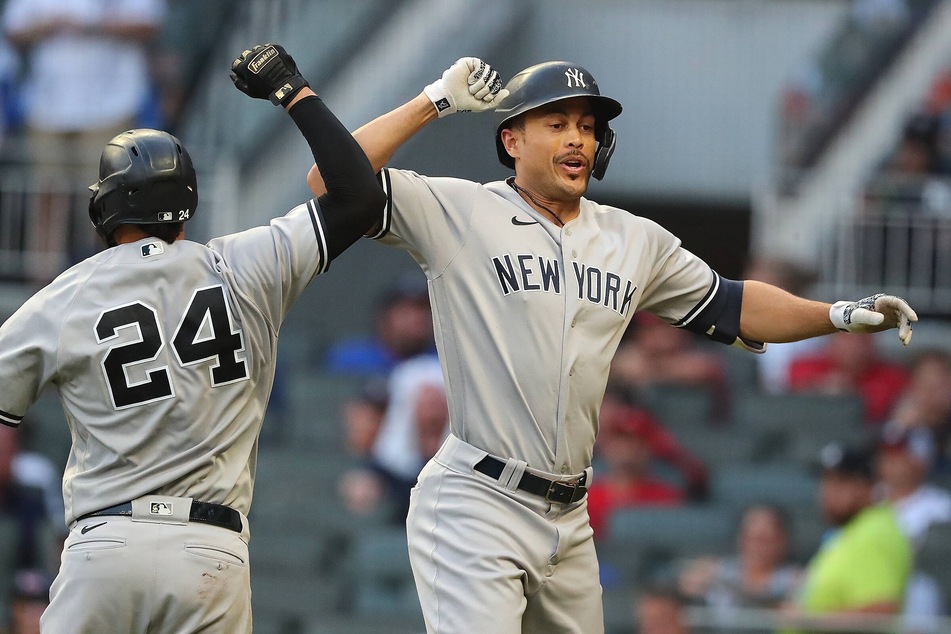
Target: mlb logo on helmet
{"x": 164, "y": 216}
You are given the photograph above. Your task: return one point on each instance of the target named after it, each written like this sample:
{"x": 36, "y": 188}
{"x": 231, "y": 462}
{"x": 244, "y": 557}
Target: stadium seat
{"x": 680, "y": 407}
{"x": 380, "y": 575}
{"x": 658, "y": 536}
{"x": 934, "y": 557}
{"x": 716, "y": 446}
{"x": 783, "y": 484}
{"x": 45, "y": 430}
{"x": 796, "y": 426}
{"x": 314, "y": 414}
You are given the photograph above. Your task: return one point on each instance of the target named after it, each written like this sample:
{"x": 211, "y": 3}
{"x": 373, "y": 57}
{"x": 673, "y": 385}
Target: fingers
{"x": 487, "y": 85}
{"x": 240, "y": 59}
{"x": 867, "y": 317}
{"x": 896, "y": 304}
{"x": 904, "y": 329}
{"x": 905, "y": 316}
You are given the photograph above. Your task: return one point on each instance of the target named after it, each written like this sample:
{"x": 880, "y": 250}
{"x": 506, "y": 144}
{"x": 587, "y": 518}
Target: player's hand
{"x": 267, "y": 71}
{"x": 874, "y": 314}
{"x": 469, "y": 85}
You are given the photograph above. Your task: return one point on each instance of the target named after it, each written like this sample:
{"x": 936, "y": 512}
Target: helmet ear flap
{"x": 95, "y": 215}
{"x": 602, "y": 155}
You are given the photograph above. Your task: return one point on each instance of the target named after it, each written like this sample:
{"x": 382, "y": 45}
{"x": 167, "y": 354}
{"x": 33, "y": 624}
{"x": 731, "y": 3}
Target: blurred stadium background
{"x": 750, "y": 128}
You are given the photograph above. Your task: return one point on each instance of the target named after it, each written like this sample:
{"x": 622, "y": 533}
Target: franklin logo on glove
{"x": 261, "y": 59}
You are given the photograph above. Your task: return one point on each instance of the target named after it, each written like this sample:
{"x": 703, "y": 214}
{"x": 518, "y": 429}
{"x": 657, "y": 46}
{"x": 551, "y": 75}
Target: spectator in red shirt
{"x": 628, "y": 442}
{"x": 851, "y": 365}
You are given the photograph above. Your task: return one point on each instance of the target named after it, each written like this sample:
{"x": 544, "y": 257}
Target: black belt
{"x": 552, "y": 490}
{"x": 205, "y": 512}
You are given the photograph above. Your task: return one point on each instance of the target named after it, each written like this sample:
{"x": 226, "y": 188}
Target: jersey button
{"x": 568, "y": 231}
{"x": 574, "y": 253}
{"x": 574, "y": 321}
{"x": 564, "y": 469}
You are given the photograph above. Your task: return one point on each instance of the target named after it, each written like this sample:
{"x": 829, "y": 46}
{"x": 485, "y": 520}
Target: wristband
{"x": 287, "y": 90}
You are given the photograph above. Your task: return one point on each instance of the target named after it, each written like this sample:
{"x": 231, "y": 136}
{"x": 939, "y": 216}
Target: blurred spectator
{"x": 9, "y": 102}
{"x": 863, "y": 564}
{"x": 773, "y": 366}
{"x": 363, "y": 416}
{"x": 403, "y": 328}
{"x": 653, "y": 352}
{"x": 660, "y": 610}
{"x": 924, "y": 407}
{"x": 849, "y": 363}
{"x": 904, "y": 458}
{"x": 29, "y": 494}
{"x": 911, "y": 180}
{"x": 88, "y": 79}
{"x": 760, "y": 575}
{"x": 415, "y": 424}
{"x": 31, "y": 595}
{"x": 629, "y": 439}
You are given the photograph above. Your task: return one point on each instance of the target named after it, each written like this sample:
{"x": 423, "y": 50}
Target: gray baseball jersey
{"x": 164, "y": 384}
{"x": 527, "y": 316}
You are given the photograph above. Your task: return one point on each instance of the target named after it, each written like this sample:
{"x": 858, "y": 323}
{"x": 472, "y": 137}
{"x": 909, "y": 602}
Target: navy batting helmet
{"x": 552, "y": 81}
{"x": 145, "y": 177}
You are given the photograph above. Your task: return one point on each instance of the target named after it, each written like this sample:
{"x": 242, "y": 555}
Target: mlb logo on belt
{"x": 160, "y": 508}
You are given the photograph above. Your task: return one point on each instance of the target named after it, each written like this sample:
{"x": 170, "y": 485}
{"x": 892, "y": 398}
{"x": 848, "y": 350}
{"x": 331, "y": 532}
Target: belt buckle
{"x": 564, "y": 492}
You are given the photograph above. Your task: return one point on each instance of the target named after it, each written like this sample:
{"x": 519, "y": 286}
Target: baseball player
{"x": 532, "y": 286}
{"x": 163, "y": 352}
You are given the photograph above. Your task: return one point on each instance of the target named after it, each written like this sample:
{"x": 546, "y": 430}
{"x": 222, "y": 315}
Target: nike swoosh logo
{"x": 522, "y": 223}
{"x": 88, "y": 528}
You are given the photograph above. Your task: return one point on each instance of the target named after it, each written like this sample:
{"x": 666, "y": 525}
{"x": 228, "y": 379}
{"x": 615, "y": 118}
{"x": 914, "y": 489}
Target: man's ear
{"x": 511, "y": 141}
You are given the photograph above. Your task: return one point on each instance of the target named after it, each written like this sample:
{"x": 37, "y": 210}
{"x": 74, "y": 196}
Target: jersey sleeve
{"x": 684, "y": 291}
{"x": 273, "y": 264}
{"x": 429, "y": 217}
{"x": 28, "y": 343}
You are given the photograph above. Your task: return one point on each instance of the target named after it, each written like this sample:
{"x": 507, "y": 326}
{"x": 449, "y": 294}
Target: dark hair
{"x": 167, "y": 231}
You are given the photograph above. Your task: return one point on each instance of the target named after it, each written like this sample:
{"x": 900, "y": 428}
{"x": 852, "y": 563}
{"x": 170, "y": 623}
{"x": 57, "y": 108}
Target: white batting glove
{"x": 469, "y": 85}
{"x": 874, "y": 314}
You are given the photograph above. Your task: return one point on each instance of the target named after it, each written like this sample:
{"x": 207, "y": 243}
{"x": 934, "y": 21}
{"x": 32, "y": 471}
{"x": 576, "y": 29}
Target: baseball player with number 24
{"x": 532, "y": 286}
{"x": 163, "y": 352}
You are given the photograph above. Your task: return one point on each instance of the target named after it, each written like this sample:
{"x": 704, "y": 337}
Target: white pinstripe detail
{"x": 699, "y": 308}
{"x": 321, "y": 236}
{"x": 387, "y": 208}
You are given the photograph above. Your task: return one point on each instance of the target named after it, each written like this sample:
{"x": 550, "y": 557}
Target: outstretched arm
{"x": 772, "y": 315}
{"x": 468, "y": 85}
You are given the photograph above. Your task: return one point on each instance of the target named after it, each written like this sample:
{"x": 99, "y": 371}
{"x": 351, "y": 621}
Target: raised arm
{"x": 352, "y": 195}
{"x": 468, "y": 85}
{"x": 772, "y": 315}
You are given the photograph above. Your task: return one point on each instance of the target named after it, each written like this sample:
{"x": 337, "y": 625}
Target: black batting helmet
{"x": 145, "y": 177}
{"x": 552, "y": 81}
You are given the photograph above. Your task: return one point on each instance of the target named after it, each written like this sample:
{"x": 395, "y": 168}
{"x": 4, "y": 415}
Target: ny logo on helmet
{"x": 575, "y": 77}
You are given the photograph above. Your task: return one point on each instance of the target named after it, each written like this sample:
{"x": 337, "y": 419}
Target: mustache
{"x": 572, "y": 155}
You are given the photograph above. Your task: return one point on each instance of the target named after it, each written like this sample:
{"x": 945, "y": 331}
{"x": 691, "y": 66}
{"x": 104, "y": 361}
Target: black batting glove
{"x": 267, "y": 71}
